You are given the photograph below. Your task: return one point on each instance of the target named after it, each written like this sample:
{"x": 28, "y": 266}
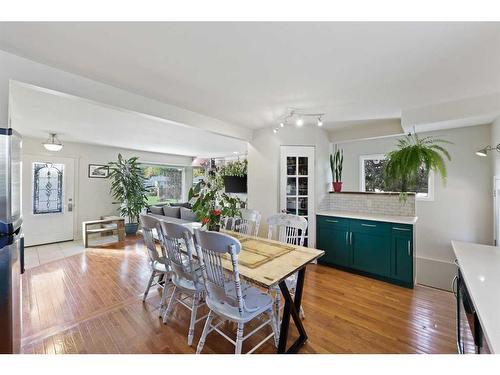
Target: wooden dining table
{"x": 259, "y": 264}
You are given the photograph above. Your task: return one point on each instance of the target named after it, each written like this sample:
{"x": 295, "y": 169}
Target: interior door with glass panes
{"x": 297, "y": 186}
{"x": 47, "y": 189}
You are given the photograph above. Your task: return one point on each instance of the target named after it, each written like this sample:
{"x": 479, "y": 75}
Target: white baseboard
{"x": 435, "y": 273}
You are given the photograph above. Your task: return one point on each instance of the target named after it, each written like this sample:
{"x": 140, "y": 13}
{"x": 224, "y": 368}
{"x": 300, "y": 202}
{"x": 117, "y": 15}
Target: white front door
{"x": 297, "y": 185}
{"x": 47, "y": 199}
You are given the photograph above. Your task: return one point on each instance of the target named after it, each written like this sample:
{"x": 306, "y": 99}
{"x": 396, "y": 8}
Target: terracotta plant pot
{"x": 337, "y": 187}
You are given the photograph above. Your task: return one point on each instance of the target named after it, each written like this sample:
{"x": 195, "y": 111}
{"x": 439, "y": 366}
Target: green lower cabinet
{"x": 378, "y": 249}
{"x": 334, "y": 241}
{"x": 371, "y": 253}
{"x": 402, "y": 259}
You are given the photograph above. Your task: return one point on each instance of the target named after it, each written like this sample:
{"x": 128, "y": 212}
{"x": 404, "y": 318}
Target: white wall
{"x": 264, "y": 164}
{"x": 461, "y": 210}
{"x": 92, "y": 198}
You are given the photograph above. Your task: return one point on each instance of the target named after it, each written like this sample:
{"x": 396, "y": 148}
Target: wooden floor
{"x": 92, "y": 303}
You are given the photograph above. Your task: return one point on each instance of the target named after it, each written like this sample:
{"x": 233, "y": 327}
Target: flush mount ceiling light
{"x": 300, "y": 117}
{"x": 53, "y": 143}
{"x": 484, "y": 151}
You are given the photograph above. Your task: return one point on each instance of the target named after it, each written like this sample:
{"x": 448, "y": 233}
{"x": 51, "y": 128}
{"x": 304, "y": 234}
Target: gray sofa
{"x": 176, "y": 210}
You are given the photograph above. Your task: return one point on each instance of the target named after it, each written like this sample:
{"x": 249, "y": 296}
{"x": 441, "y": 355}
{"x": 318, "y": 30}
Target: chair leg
{"x": 164, "y": 295}
{"x": 153, "y": 274}
{"x": 274, "y": 326}
{"x": 194, "y": 309}
{"x": 277, "y": 300}
{"x": 204, "y": 334}
{"x": 171, "y": 304}
{"x": 239, "y": 338}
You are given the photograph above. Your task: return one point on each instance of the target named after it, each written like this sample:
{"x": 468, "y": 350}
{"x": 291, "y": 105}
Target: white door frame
{"x": 496, "y": 210}
{"x": 310, "y": 152}
{"x": 72, "y": 194}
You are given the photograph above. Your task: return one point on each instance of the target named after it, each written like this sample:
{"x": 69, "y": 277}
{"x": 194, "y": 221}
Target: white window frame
{"x": 362, "y": 183}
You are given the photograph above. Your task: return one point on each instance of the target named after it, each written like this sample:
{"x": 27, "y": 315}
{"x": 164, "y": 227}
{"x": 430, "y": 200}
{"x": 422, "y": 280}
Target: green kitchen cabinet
{"x": 371, "y": 252}
{"x": 334, "y": 240}
{"x": 402, "y": 257}
{"x": 379, "y": 249}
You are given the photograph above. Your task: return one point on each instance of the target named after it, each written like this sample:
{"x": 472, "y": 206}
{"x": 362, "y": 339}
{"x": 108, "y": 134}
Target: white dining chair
{"x": 225, "y": 297}
{"x": 248, "y": 223}
{"x": 187, "y": 280}
{"x": 160, "y": 268}
{"x": 289, "y": 229}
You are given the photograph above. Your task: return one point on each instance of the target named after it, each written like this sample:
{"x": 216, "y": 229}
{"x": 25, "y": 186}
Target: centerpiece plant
{"x": 212, "y": 204}
{"x": 413, "y": 156}
{"x": 127, "y": 189}
{"x": 336, "y": 164}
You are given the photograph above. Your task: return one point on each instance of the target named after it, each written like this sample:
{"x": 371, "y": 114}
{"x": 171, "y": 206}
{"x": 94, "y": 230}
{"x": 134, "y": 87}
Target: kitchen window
{"x": 371, "y": 178}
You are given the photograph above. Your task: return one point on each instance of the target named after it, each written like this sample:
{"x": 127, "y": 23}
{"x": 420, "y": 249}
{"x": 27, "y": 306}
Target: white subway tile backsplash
{"x": 369, "y": 203}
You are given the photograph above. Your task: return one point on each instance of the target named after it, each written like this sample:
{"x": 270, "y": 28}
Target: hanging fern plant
{"x": 403, "y": 165}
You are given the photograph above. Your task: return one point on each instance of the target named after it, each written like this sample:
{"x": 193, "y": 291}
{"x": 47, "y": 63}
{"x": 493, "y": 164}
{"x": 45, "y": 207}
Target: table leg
{"x": 292, "y": 308}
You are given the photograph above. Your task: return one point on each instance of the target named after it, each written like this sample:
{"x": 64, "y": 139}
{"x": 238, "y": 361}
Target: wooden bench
{"x": 109, "y": 224}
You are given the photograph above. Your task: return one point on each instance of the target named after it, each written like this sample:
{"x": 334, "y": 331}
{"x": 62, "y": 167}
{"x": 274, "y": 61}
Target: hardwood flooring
{"x": 92, "y": 303}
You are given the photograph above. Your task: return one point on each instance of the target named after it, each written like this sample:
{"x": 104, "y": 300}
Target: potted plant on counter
{"x": 414, "y": 156}
{"x": 127, "y": 189}
{"x": 336, "y": 162}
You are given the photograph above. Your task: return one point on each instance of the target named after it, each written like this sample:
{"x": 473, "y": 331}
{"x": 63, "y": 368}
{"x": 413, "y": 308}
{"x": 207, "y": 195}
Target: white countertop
{"x": 480, "y": 267}
{"x": 377, "y": 217}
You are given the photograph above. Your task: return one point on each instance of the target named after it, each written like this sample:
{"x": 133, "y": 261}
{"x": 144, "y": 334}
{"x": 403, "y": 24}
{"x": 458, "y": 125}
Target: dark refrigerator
{"x": 11, "y": 241}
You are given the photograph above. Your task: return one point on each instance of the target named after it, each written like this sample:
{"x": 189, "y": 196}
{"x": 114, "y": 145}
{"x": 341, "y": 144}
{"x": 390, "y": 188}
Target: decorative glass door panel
{"x": 48, "y": 194}
{"x": 297, "y": 185}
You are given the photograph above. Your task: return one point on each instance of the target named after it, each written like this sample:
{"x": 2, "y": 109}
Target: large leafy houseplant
{"x": 336, "y": 164}
{"x": 212, "y": 204}
{"x": 403, "y": 165}
{"x": 127, "y": 189}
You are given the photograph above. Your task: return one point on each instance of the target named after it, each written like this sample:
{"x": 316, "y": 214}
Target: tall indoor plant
{"x": 414, "y": 153}
{"x": 127, "y": 189}
{"x": 336, "y": 164}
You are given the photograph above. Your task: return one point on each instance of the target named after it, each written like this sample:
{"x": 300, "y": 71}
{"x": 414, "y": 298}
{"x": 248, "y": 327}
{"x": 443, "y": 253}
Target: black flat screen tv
{"x": 235, "y": 184}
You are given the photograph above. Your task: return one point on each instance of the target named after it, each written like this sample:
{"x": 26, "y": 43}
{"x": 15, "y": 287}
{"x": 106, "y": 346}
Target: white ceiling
{"x": 35, "y": 112}
{"x": 249, "y": 73}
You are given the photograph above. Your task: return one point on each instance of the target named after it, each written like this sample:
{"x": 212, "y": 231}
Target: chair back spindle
{"x": 290, "y": 229}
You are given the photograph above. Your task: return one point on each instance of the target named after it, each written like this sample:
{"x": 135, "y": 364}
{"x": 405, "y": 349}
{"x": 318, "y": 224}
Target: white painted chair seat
{"x": 255, "y": 301}
{"x": 290, "y": 229}
{"x": 186, "y": 272}
{"x": 225, "y": 296}
{"x": 188, "y": 285}
{"x": 161, "y": 266}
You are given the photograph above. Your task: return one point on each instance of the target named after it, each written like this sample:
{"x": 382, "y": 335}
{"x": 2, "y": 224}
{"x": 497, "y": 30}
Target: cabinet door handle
{"x": 331, "y": 221}
{"x": 454, "y": 285}
{"x": 350, "y": 238}
{"x": 369, "y": 225}
{"x": 403, "y": 229}
{"x": 347, "y": 238}
{"x": 409, "y": 248}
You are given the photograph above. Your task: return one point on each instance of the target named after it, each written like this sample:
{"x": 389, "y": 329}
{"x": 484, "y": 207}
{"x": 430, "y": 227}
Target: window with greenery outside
{"x": 163, "y": 183}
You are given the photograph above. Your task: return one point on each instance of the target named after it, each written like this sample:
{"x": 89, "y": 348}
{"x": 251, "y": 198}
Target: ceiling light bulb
{"x": 52, "y": 143}
{"x": 482, "y": 152}
{"x": 300, "y": 121}
{"x": 282, "y": 125}
{"x": 275, "y": 130}
{"x": 320, "y": 122}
